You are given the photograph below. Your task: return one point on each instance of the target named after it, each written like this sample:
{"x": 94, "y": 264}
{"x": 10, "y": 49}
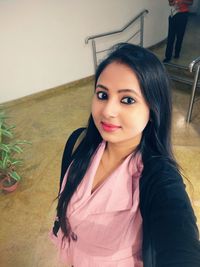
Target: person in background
{"x": 176, "y": 28}
{"x": 123, "y": 202}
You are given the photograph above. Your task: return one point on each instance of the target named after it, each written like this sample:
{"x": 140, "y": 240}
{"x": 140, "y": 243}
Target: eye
{"x": 128, "y": 100}
{"x": 102, "y": 95}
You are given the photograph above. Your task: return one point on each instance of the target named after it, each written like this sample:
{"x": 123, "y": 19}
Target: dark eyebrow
{"x": 102, "y": 86}
{"x": 119, "y": 91}
{"x": 127, "y": 90}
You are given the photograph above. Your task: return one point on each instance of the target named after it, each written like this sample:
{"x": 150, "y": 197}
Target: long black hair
{"x": 156, "y": 137}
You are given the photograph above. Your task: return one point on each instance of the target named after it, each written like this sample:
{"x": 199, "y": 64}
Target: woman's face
{"x": 119, "y": 110}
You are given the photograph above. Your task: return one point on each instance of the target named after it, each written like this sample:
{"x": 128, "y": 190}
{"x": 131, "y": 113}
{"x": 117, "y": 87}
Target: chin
{"x": 115, "y": 138}
{"x": 109, "y": 137}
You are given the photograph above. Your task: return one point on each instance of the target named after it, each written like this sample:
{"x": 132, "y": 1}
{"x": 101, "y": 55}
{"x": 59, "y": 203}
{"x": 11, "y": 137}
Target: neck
{"x": 119, "y": 151}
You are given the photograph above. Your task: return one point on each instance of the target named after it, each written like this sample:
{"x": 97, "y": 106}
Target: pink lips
{"x": 109, "y": 127}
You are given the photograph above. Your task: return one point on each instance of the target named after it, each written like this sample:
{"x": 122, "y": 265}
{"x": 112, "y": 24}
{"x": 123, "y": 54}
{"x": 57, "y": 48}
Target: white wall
{"x": 42, "y": 41}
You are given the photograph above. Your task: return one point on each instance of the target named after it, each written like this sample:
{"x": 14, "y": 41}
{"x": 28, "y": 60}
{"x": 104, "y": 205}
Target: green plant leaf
{"x": 10, "y": 127}
{"x": 23, "y": 142}
{"x": 6, "y": 133}
{"x": 3, "y": 154}
{"x": 5, "y": 161}
{"x": 5, "y": 148}
{"x": 17, "y": 149}
{"x": 16, "y": 162}
{"x": 15, "y": 175}
{"x": 1, "y": 164}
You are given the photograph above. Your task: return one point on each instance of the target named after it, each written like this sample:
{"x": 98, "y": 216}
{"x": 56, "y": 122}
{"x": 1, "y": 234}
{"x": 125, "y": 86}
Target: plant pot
{"x": 8, "y": 184}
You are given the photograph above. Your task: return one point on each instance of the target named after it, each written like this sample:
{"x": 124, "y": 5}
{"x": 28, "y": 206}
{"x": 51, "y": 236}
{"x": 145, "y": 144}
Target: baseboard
{"x": 51, "y": 91}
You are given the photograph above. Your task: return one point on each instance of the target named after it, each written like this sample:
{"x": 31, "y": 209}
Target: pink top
{"x": 106, "y": 224}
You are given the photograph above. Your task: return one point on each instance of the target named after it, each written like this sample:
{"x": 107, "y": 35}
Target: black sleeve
{"x": 67, "y": 154}
{"x": 173, "y": 230}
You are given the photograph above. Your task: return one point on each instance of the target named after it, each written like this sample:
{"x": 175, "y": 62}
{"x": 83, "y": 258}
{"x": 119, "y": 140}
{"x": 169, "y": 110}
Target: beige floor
{"x": 26, "y": 215}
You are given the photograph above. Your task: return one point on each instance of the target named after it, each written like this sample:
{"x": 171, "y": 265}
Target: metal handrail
{"x": 192, "y": 65}
{"x": 176, "y": 66}
{"x": 118, "y": 31}
{"x": 94, "y": 37}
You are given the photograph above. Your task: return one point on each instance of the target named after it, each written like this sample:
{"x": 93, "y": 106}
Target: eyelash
{"x": 101, "y": 95}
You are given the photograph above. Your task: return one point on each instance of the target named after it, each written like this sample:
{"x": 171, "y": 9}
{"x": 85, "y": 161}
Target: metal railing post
{"x": 141, "y": 30}
{"x": 191, "y": 103}
{"x": 94, "y": 54}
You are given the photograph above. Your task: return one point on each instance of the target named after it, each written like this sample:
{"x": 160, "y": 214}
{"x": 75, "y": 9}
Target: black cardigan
{"x": 170, "y": 233}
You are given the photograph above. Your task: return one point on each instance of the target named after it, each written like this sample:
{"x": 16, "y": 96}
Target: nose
{"x": 111, "y": 109}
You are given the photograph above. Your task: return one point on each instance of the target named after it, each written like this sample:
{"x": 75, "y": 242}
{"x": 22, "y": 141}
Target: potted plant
{"x": 9, "y": 155}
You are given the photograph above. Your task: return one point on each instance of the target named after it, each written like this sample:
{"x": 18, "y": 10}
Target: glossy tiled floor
{"x": 26, "y": 215}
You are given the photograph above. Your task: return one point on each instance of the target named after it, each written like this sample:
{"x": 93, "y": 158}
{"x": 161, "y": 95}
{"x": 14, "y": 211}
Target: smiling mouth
{"x": 109, "y": 127}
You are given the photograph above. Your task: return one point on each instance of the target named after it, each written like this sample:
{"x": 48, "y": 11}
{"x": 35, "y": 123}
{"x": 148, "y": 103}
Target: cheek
{"x": 145, "y": 117}
{"x": 137, "y": 122}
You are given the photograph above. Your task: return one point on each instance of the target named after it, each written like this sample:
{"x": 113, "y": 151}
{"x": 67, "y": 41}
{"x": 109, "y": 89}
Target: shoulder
{"x": 70, "y": 145}
{"x": 73, "y": 138}
{"x": 76, "y": 133}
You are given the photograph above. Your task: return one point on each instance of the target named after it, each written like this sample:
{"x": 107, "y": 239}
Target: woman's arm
{"x": 173, "y": 230}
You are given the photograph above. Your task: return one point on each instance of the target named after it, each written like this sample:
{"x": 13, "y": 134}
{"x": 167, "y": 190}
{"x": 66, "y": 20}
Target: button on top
{"x": 74, "y": 236}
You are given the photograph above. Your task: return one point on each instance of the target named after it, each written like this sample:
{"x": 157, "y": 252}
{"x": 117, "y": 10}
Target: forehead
{"x": 119, "y": 76}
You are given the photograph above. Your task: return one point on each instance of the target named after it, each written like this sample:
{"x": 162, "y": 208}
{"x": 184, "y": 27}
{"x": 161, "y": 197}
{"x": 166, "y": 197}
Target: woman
{"x": 123, "y": 202}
